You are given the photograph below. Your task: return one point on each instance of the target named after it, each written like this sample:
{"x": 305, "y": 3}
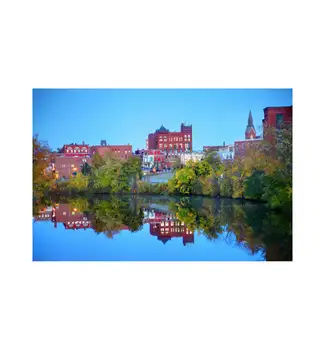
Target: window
{"x": 279, "y": 120}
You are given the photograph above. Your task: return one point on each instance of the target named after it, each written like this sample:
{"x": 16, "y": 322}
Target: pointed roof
{"x": 162, "y": 129}
{"x": 250, "y": 119}
{"x": 250, "y": 125}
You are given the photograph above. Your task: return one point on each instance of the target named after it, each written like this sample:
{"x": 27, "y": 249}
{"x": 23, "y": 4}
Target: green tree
{"x": 43, "y": 178}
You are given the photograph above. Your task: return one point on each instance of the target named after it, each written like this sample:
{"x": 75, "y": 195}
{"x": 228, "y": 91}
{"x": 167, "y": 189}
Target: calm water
{"x": 159, "y": 228}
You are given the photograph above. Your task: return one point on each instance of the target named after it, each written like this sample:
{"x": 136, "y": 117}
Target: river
{"x": 158, "y": 228}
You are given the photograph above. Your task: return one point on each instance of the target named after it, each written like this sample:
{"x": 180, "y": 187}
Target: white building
{"x": 194, "y": 156}
{"x": 226, "y": 152}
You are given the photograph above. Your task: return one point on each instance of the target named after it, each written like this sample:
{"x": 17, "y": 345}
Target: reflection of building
{"x": 171, "y": 142}
{"x": 71, "y": 218}
{"x": 44, "y": 214}
{"x": 167, "y": 226}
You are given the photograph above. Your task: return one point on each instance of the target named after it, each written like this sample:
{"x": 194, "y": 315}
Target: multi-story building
{"x": 194, "y": 156}
{"x": 76, "y": 150}
{"x": 66, "y": 166}
{"x": 171, "y": 142}
{"x": 154, "y": 158}
{"x": 225, "y": 152}
{"x": 276, "y": 118}
{"x": 119, "y": 151}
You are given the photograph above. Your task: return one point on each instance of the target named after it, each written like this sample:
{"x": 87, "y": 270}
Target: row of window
{"x": 175, "y": 138}
{"x": 77, "y": 150}
{"x": 175, "y": 229}
{"x": 166, "y": 223}
{"x": 175, "y": 145}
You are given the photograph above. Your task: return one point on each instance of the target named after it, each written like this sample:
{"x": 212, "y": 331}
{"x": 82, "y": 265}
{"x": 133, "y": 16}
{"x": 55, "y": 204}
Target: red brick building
{"x": 276, "y": 118}
{"x": 241, "y": 147}
{"x": 67, "y": 166}
{"x": 120, "y": 151}
{"x": 76, "y": 150}
{"x": 170, "y": 141}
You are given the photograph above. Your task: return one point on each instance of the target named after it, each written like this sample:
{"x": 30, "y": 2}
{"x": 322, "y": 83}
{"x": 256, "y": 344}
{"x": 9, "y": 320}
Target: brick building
{"x": 76, "y": 150}
{"x": 276, "y": 118}
{"x": 172, "y": 142}
{"x": 67, "y": 166}
{"x": 119, "y": 151}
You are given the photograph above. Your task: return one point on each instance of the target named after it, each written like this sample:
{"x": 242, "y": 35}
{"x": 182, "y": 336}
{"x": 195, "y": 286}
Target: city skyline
{"x": 127, "y": 116}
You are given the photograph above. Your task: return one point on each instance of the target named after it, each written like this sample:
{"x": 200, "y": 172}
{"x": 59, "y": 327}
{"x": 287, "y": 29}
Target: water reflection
{"x": 250, "y": 226}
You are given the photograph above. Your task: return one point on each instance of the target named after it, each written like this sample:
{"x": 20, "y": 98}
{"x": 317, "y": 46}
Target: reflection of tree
{"x": 115, "y": 214}
{"x": 246, "y": 224}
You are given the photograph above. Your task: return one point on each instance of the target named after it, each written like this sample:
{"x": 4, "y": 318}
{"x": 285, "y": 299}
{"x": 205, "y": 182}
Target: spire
{"x": 250, "y": 119}
{"x": 250, "y": 132}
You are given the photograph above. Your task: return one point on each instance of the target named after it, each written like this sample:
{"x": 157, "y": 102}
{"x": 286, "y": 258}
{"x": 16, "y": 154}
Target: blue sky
{"x": 123, "y": 116}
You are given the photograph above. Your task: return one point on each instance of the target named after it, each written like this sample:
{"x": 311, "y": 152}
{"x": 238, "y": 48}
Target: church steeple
{"x": 250, "y": 119}
{"x": 250, "y": 132}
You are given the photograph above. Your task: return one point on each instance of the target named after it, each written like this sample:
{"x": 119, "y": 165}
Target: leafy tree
{"x": 43, "y": 178}
{"x": 97, "y": 161}
{"x": 78, "y": 183}
{"x": 255, "y": 185}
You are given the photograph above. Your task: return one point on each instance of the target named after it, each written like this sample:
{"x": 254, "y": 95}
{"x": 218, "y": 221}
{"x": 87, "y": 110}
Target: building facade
{"x": 154, "y": 158}
{"x": 68, "y": 166}
{"x": 225, "y": 152}
{"x": 76, "y": 150}
{"x": 194, "y": 156}
{"x": 276, "y": 118}
{"x": 119, "y": 151}
{"x": 171, "y": 142}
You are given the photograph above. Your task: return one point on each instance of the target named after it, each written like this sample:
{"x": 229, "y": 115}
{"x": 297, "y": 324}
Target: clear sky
{"x": 123, "y": 116}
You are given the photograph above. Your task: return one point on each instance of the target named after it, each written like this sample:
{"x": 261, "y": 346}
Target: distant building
{"x": 171, "y": 142}
{"x": 241, "y": 147}
{"x": 120, "y": 151}
{"x": 251, "y": 140}
{"x": 76, "y": 150}
{"x": 250, "y": 132}
{"x": 154, "y": 158}
{"x": 194, "y": 156}
{"x": 225, "y": 152}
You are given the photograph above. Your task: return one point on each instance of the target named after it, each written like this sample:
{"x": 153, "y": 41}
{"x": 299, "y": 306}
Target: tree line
{"x": 264, "y": 173}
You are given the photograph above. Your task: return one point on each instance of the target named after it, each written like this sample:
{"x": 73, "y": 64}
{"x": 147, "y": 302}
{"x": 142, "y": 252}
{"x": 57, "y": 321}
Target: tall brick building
{"x": 171, "y": 142}
{"x": 276, "y": 118}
